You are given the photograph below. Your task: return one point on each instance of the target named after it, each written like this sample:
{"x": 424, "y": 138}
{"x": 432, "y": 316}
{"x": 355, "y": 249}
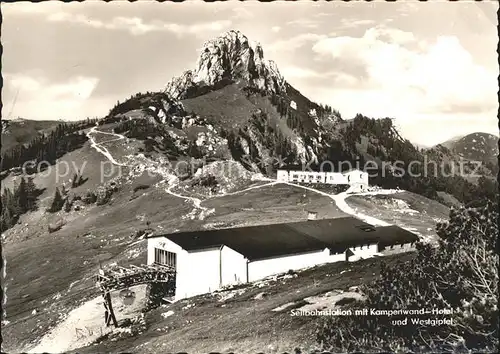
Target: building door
{"x": 165, "y": 291}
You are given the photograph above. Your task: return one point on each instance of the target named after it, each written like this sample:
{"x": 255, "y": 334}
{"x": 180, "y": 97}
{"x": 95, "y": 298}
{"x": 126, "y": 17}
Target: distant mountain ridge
{"x": 474, "y": 146}
{"x": 19, "y": 131}
{"x": 450, "y": 142}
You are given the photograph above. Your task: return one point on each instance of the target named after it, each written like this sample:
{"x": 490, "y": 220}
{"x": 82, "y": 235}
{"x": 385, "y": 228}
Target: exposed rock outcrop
{"x": 228, "y": 58}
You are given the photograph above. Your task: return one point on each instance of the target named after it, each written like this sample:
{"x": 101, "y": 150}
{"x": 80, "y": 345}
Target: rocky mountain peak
{"x": 229, "y": 57}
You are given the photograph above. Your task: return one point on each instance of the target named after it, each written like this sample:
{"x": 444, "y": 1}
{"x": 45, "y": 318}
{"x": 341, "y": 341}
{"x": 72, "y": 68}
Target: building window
{"x": 166, "y": 258}
{"x": 295, "y": 176}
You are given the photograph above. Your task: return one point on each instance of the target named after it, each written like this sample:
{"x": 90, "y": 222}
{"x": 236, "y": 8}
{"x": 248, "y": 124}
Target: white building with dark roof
{"x": 210, "y": 259}
{"x": 354, "y": 178}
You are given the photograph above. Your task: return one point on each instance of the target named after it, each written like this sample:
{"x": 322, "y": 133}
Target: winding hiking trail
{"x": 339, "y": 199}
{"x": 102, "y": 149}
{"x": 249, "y": 189}
{"x": 168, "y": 176}
{"x": 172, "y": 179}
{"x": 196, "y": 202}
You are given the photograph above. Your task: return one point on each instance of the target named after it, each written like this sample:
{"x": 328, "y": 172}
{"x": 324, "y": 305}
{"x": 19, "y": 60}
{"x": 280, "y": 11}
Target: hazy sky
{"x": 432, "y": 66}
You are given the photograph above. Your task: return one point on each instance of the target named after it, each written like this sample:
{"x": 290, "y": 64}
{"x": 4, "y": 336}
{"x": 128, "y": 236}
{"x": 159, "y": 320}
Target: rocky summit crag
{"x": 227, "y": 58}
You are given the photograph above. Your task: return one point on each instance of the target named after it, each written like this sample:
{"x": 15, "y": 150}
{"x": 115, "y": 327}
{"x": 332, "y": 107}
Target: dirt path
{"x": 340, "y": 201}
{"x": 204, "y": 212}
{"x": 173, "y": 181}
{"x": 102, "y": 149}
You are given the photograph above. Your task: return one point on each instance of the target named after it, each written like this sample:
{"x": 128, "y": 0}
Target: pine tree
{"x": 57, "y": 202}
{"x": 31, "y": 194}
{"x": 10, "y": 208}
{"x": 7, "y": 220}
{"x": 64, "y": 191}
{"x": 77, "y": 180}
{"x": 10, "y": 201}
{"x": 68, "y": 205}
{"x": 21, "y": 196}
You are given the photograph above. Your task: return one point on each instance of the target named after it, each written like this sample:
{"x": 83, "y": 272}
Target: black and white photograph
{"x": 249, "y": 177}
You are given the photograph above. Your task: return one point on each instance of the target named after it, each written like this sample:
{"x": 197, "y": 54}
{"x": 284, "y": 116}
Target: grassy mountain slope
{"x": 407, "y": 210}
{"x": 259, "y": 127}
{"x": 227, "y": 106}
